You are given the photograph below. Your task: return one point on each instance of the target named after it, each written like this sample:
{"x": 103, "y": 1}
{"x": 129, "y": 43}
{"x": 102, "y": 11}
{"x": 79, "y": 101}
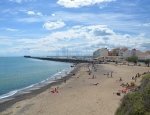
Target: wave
{"x": 11, "y": 93}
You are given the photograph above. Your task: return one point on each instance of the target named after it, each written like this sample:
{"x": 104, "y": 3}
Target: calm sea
{"x": 17, "y": 73}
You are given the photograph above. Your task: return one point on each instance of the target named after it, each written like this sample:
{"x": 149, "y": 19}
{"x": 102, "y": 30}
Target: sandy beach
{"x": 82, "y": 94}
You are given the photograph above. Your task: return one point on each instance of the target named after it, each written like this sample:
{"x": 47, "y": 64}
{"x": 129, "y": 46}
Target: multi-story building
{"x": 100, "y": 53}
{"x": 118, "y": 54}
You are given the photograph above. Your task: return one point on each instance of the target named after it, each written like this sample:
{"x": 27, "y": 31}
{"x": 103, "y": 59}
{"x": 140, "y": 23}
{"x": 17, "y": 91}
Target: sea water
{"x": 19, "y": 73}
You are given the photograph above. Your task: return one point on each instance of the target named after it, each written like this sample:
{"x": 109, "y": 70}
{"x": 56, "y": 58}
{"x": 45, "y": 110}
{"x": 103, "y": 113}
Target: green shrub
{"x": 133, "y": 59}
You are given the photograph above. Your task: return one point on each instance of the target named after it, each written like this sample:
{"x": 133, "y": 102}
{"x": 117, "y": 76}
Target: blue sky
{"x": 50, "y": 27}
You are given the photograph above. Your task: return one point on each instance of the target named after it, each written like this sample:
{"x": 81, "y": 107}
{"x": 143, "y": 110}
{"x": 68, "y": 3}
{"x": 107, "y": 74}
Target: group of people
{"x": 136, "y": 76}
{"x": 109, "y": 73}
{"x": 129, "y": 86}
{"x": 54, "y": 90}
{"x": 92, "y": 68}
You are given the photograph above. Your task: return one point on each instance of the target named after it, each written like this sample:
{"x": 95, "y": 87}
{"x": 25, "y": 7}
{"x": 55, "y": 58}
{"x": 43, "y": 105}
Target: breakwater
{"x": 68, "y": 60}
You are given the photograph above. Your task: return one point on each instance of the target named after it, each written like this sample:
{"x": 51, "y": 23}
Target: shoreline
{"x": 9, "y": 102}
{"x": 27, "y": 89}
{"x": 82, "y": 94}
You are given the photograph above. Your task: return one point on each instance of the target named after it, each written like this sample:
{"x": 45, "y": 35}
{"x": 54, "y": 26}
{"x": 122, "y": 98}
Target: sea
{"x": 20, "y": 75}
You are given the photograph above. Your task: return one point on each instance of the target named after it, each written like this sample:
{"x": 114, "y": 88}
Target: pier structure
{"x": 62, "y": 59}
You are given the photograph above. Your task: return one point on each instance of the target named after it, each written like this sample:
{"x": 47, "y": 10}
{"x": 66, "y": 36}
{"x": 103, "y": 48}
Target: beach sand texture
{"x": 80, "y": 95}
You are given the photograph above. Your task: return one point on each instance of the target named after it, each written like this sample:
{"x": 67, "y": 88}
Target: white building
{"x": 127, "y": 54}
{"x": 100, "y": 53}
{"x": 122, "y": 51}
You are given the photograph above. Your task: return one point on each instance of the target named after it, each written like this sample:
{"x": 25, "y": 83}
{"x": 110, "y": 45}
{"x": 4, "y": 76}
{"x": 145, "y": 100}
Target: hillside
{"x": 138, "y": 102}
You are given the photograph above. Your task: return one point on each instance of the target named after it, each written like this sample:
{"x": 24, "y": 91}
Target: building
{"x": 115, "y": 52}
{"x": 133, "y": 52}
{"x": 104, "y": 54}
{"x": 100, "y": 53}
{"x": 144, "y": 56}
{"x": 121, "y": 51}
{"x": 119, "y": 54}
{"x": 127, "y": 53}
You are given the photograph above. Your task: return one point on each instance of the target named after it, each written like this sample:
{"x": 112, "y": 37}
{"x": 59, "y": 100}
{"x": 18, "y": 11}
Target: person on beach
{"x": 54, "y": 90}
{"x": 127, "y": 85}
{"x": 132, "y": 78}
{"x": 89, "y": 72}
{"x": 125, "y": 90}
{"x": 120, "y": 79}
{"x": 111, "y": 73}
{"x": 95, "y": 84}
{"x": 93, "y": 77}
{"x": 135, "y": 78}
{"x": 117, "y": 93}
{"x": 138, "y": 75}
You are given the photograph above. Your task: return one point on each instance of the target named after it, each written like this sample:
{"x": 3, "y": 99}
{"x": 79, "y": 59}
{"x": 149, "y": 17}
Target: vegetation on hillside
{"x": 138, "y": 102}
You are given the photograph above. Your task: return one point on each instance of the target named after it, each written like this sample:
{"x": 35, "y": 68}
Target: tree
{"x": 147, "y": 62}
{"x": 133, "y": 59}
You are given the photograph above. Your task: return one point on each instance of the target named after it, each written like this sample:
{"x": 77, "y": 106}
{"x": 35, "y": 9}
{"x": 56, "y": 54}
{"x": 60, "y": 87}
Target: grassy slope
{"x": 137, "y": 103}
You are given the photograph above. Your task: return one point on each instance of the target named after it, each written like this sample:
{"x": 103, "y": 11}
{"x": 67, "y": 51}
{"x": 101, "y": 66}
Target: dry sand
{"x": 79, "y": 95}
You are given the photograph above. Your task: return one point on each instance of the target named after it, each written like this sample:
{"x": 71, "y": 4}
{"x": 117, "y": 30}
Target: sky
{"x": 74, "y": 27}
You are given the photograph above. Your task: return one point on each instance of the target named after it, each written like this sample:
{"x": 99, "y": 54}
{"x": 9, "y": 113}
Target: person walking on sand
{"x": 93, "y": 77}
{"x": 111, "y": 73}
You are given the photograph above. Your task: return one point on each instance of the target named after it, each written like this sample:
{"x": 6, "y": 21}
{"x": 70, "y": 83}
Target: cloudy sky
{"x": 54, "y": 27}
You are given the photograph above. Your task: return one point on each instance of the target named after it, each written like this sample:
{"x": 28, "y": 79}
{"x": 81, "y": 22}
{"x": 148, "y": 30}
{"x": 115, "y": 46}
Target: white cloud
{"x": 76, "y": 39}
{"x": 11, "y": 29}
{"x": 53, "y": 14}
{"x": 80, "y": 3}
{"x": 39, "y": 14}
{"x": 17, "y": 1}
{"x": 53, "y": 25}
{"x": 20, "y": 1}
{"x": 32, "y": 13}
{"x": 146, "y": 24}
{"x": 112, "y": 19}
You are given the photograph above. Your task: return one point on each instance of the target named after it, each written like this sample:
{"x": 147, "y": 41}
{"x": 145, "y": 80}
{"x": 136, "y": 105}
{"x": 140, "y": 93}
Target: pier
{"x": 60, "y": 59}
